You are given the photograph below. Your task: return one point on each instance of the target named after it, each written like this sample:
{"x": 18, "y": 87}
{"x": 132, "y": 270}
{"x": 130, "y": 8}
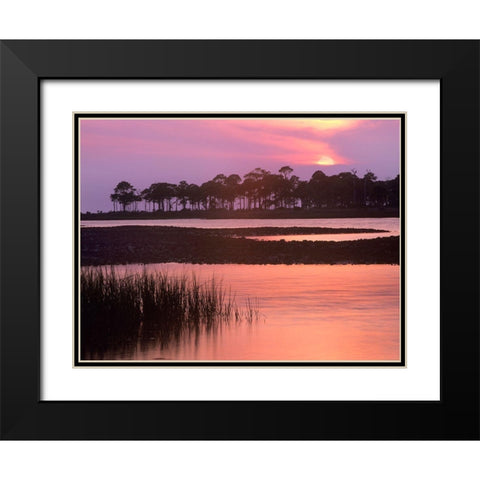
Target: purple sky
{"x": 146, "y": 151}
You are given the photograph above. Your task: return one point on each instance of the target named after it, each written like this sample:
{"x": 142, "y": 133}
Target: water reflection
{"x": 327, "y": 237}
{"x": 391, "y": 223}
{"x": 309, "y": 313}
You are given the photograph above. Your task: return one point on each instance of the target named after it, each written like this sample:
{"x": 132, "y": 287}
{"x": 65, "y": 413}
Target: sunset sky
{"x": 145, "y": 151}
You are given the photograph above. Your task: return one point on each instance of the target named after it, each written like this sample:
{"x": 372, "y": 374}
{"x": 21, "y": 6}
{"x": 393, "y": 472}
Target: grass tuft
{"x": 124, "y": 313}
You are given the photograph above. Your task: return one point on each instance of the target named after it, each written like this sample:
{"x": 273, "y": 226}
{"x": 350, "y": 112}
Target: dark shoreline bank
{"x": 142, "y": 244}
{"x": 366, "y": 212}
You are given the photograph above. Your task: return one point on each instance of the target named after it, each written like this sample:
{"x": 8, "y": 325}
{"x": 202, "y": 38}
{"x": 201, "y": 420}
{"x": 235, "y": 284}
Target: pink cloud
{"x": 299, "y": 142}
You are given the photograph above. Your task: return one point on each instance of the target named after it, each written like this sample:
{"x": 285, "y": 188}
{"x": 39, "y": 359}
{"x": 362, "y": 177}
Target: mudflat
{"x": 146, "y": 244}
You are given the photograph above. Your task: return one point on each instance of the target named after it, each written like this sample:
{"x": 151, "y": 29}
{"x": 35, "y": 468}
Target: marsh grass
{"x": 124, "y": 313}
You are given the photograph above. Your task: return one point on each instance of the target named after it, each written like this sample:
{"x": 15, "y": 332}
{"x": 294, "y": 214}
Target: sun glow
{"x": 325, "y": 160}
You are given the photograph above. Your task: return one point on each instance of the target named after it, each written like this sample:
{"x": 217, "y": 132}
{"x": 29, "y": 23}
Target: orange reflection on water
{"x": 308, "y": 313}
{"x": 323, "y": 237}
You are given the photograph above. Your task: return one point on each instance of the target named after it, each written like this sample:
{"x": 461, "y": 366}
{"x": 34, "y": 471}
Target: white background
{"x": 246, "y": 19}
{"x": 419, "y": 381}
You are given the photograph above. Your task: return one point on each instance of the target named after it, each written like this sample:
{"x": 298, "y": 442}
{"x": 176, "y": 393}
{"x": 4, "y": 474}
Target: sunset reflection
{"x": 309, "y": 312}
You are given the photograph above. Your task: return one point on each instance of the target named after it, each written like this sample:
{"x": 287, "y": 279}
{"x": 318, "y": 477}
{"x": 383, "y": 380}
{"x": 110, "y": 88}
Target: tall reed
{"x": 122, "y": 313}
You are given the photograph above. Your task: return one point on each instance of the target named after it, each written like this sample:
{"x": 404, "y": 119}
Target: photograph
{"x": 242, "y": 239}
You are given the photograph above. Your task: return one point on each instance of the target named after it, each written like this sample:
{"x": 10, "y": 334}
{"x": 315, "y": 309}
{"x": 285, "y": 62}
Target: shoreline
{"x": 144, "y": 244}
{"x": 365, "y": 212}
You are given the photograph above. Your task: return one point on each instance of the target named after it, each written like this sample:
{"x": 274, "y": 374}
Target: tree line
{"x": 261, "y": 189}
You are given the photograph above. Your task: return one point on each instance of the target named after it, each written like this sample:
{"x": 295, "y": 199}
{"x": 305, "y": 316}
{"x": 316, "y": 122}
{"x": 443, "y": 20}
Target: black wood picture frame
{"x": 25, "y": 417}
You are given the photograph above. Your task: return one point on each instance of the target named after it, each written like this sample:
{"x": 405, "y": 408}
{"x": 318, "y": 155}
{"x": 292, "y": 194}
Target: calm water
{"x": 328, "y": 237}
{"x": 308, "y": 312}
{"x": 390, "y": 224}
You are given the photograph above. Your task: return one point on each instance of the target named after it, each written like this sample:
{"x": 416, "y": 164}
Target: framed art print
{"x": 239, "y": 231}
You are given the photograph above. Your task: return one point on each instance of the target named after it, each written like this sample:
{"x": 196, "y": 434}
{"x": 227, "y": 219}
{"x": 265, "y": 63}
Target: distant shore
{"x": 365, "y": 212}
{"x": 142, "y": 244}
